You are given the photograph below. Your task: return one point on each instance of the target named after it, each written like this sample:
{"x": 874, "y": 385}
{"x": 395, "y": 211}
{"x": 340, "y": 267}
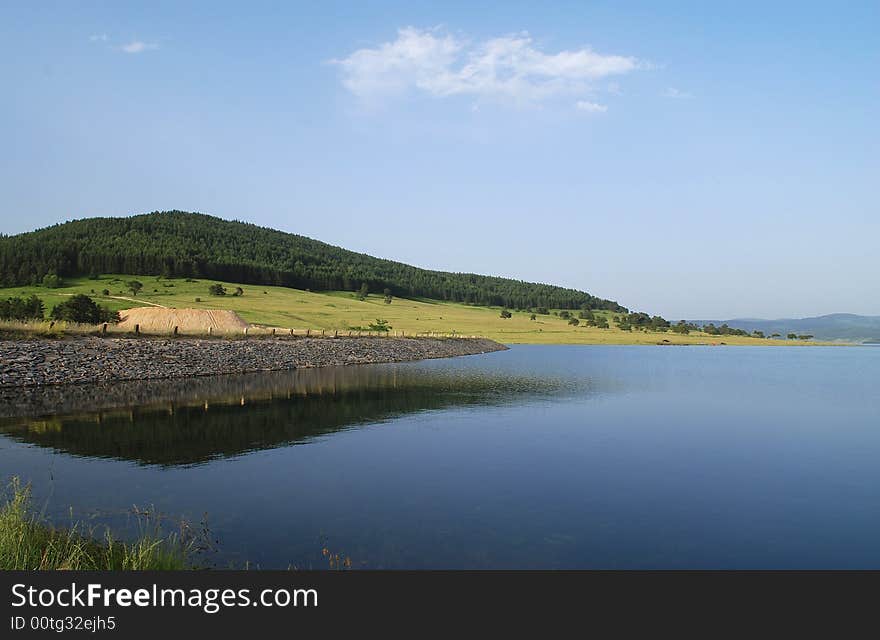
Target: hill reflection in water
{"x": 186, "y": 422}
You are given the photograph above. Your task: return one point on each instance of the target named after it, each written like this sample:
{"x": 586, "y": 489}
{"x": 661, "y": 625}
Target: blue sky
{"x": 689, "y": 159}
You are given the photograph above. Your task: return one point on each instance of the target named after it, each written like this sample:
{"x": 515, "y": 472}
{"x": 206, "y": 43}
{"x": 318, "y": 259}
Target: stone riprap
{"x": 33, "y": 362}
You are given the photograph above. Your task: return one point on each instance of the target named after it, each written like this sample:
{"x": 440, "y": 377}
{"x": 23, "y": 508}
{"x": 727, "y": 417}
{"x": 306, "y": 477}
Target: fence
{"x": 47, "y": 328}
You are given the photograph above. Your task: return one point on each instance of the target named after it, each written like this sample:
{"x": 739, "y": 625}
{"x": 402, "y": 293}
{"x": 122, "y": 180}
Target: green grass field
{"x": 341, "y": 310}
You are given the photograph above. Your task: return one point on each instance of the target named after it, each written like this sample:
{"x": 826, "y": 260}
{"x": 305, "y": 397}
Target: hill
{"x": 192, "y": 245}
{"x": 836, "y": 326}
{"x": 283, "y": 307}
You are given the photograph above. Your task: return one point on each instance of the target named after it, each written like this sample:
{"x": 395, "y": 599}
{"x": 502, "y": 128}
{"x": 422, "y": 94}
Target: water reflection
{"x": 171, "y": 423}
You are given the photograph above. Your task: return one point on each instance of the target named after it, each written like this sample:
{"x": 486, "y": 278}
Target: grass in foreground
{"x": 28, "y": 543}
{"x": 341, "y": 310}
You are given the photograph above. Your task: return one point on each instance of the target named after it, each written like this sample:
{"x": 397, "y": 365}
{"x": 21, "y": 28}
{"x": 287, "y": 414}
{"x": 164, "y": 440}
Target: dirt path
{"x": 152, "y": 304}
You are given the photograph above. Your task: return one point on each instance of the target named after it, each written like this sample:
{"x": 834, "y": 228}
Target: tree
{"x": 805, "y": 337}
{"x": 105, "y": 292}
{"x": 387, "y": 294}
{"x": 574, "y": 321}
{"x": 363, "y": 292}
{"x": 51, "y": 281}
{"x": 792, "y": 336}
{"x": 134, "y": 286}
{"x": 22, "y": 309}
{"x": 564, "y": 315}
{"x": 505, "y": 313}
{"x": 380, "y": 325}
{"x": 217, "y": 289}
{"x": 682, "y": 328}
{"x": 238, "y": 292}
{"x": 82, "y": 309}
{"x": 532, "y": 317}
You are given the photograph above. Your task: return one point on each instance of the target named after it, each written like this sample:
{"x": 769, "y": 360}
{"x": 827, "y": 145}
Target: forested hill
{"x": 180, "y": 244}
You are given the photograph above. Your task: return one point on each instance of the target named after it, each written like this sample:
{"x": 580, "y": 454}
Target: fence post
{"x": 273, "y": 331}
{"x": 335, "y": 333}
{"x": 245, "y": 330}
{"x": 137, "y": 329}
{"x": 210, "y": 331}
{"x": 104, "y": 329}
{"x": 175, "y": 329}
{"x": 291, "y": 332}
{"x": 322, "y": 332}
{"x": 308, "y": 332}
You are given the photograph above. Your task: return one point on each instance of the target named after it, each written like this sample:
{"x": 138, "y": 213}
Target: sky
{"x": 692, "y": 159}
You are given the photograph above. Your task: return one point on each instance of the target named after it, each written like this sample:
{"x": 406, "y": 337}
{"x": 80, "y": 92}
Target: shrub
{"x": 21, "y": 309}
{"x": 574, "y": 321}
{"x": 505, "y": 313}
{"x": 51, "y": 281}
{"x": 105, "y": 292}
{"x": 217, "y": 290}
{"x": 82, "y": 309}
{"x": 380, "y": 325}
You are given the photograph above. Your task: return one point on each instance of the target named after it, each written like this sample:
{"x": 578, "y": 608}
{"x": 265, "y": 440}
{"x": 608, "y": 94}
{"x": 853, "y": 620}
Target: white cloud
{"x": 675, "y": 94}
{"x": 590, "y": 107}
{"x": 509, "y": 68}
{"x": 98, "y": 38}
{"x": 136, "y": 46}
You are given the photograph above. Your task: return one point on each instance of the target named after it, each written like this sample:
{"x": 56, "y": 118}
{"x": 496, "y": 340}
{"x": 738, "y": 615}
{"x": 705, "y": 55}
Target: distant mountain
{"x": 836, "y": 326}
{"x": 181, "y": 244}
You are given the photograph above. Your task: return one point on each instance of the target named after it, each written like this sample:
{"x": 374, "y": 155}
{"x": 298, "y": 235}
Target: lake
{"x": 537, "y": 457}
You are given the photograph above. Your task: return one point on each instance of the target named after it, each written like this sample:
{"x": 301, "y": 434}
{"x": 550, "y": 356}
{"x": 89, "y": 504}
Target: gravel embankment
{"x": 84, "y": 360}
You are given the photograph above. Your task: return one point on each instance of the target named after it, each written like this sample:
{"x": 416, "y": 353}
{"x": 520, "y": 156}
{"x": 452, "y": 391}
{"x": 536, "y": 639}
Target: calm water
{"x": 538, "y": 457}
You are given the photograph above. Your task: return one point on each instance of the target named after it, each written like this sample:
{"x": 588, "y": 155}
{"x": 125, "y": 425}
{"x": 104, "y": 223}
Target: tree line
{"x": 180, "y": 244}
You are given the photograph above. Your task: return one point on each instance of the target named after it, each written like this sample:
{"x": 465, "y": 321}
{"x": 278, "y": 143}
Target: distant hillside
{"x": 836, "y": 326}
{"x": 176, "y": 243}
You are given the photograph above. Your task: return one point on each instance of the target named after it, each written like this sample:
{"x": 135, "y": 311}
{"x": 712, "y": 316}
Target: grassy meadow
{"x": 341, "y": 310}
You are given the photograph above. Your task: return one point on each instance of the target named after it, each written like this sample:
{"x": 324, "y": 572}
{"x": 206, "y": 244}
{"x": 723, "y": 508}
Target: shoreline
{"x": 39, "y": 362}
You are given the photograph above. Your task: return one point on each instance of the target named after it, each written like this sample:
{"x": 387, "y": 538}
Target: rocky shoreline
{"x": 38, "y": 362}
